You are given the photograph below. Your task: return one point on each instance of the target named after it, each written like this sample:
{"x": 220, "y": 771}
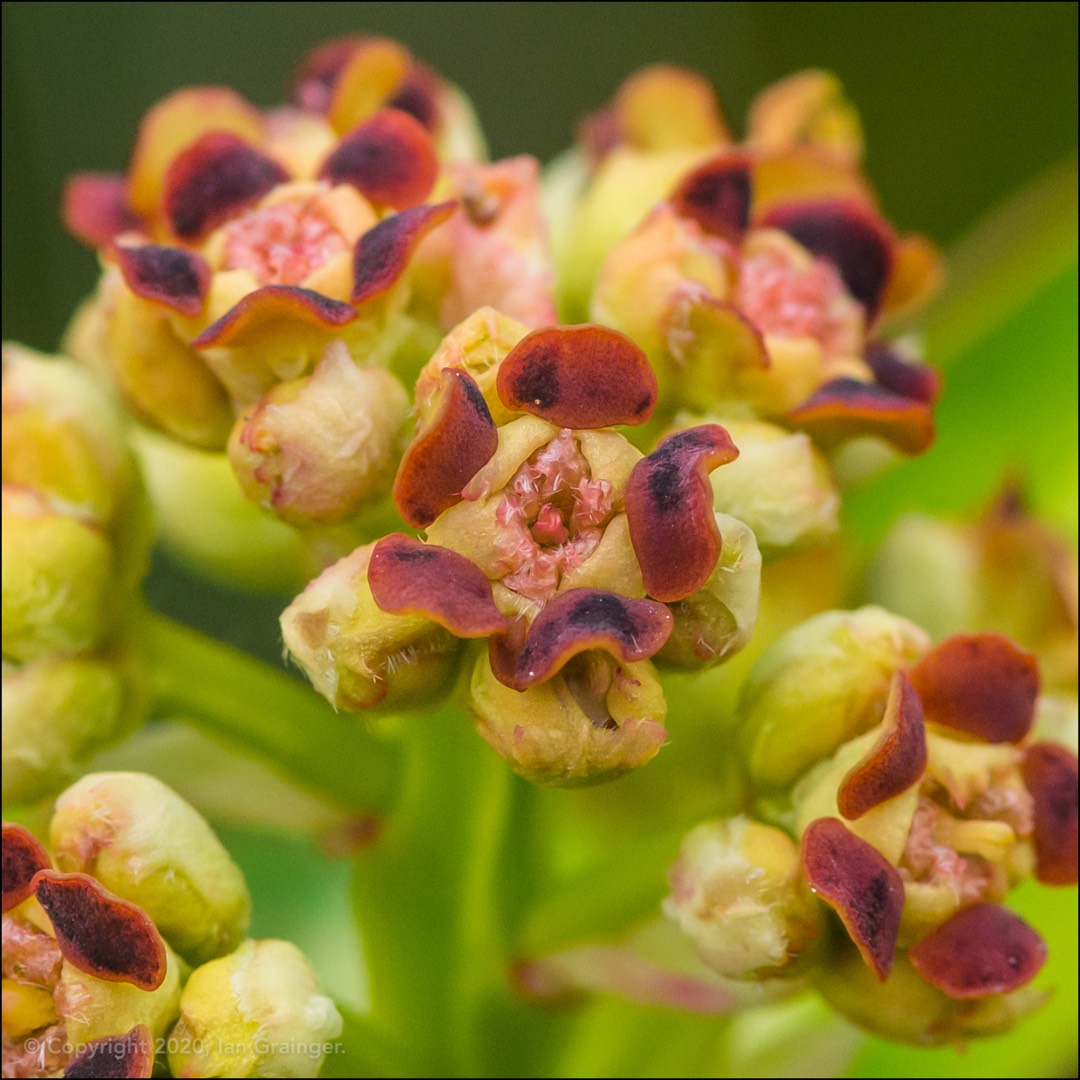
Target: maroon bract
{"x": 96, "y": 209}
{"x": 254, "y": 316}
{"x": 860, "y": 884}
{"x": 453, "y": 446}
{"x": 895, "y": 761}
{"x": 576, "y": 621}
{"x": 23, "y": 858}
{"x": 982, "y": 950}
{"x": 216, "y": 176}
{"x": 844, "y": 408}
{"x": 1050, "y": 774}
{"x": 578, "y": 377}
{"x": 389, "y": 158}
{"x": 669, "y": 508}
{"x": 167, "y": 275}
{"x": 99, "y": 933}
{"x": 717, "y": 196}
{"x": 982, "y": 684}
{"x": 383, "y": 252}
{"x": 119, "y": 1056}
{"x": 908, "y": 378}
{"x": 408, "y": 577}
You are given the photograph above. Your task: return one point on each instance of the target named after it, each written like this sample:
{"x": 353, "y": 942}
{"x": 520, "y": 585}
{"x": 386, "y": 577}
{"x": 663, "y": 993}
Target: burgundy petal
{"x": 130, "y": 1055}
{"x": 669, "y": 508}
{"x": 847, "y": 233}
{"x": 1050, "y": 774}
{"x": 908, "y": 378}
{"x": 172, "y": 276}
{"x": 863, "y": 887}
{"x": 845, "y": 408}
{"x": 216, "y": 176}
{"x": 23, "y": 858}
{"x": 458, "y": 441}
{"x": 582, "y": 619}
{"x": 578, "y": 377}
{"x": 717, "y": 196}
{"x": 418, "y": 95}
{"x": 982, "y": 684}
{"x": 248, "y": 319}
{"x": 409, "y": 577}
{"x": 384, "y": 251}
{"x": 389, "y": 158}
{"x": 982, "y": 950}
{"x": 99, "y": 933}
{"x": 95, "y": 208}
{"x": 895, "y": 761}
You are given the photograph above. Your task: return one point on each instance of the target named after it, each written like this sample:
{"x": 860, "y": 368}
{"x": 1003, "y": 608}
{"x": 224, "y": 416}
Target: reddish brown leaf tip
{"x": 23, "y": 858}
{"x": 119, "y": 1056}
{"x": 409, "y": 577}
{"x": 1050, "y": 774}
{"x": 216, "y": 176}
{"x": 248, "y": 319}
{"x": 582, "y": 619}
{"x": 895, "y": 761}
{"x": 847, "y": 233}
{"x": 982, "y": 684}
{"x": 389, "y": 158}
{"x": 669, "y": 508}
{"x": 862, "y": 886}
{"x": 384, "y": 251}
{"x": 907, "y": 378}
{"x": 459, "y": 440}
{"x": 99, "y": 933}
{"x": 717, "y": 196}
{"x": 982, "y": 950}
{"x": 166, "y": 275}
{"x": 95, "y": 208}
{"x": 846, "y": 408}
{"x": 578, "y": 377}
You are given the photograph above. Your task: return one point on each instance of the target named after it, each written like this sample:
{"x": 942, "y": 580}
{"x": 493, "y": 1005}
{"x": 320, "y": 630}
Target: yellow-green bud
{"x": 595, "y": 720}
{"x": 715, "y": 622}
{"x": 256, "y": 1012}
{"x": 356, "y": 654}
{"x": 145, "y": 843}
{"x": 317, "y": 449}
{"x": 736, "y": 891}
{"x": 58, "y": 574}
{"x": 58, "y": 711}
{"x": 819, "y": 685}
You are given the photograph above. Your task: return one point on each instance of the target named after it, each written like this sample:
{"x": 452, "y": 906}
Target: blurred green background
{"x": 961, "y": 102}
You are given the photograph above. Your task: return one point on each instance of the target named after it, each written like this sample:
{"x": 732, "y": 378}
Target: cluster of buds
{"x": 271, "y": 277}
{"x": 75, "y": 540}
{"x": 902, "y": 792}
{"x": 127, "y": 945}
{"x": 549, "y": 534}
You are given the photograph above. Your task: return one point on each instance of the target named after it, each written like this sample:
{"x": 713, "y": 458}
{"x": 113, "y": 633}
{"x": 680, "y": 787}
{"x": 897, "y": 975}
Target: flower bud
{"x": 356, "y": 654}
{"x": 819, "y": 685}
{"x": 58, "y": 574}
{"x": 144, "y": 842}
{"x": 256, "y": 1012}
{"x": 717, "y": 620}
{"x": 57, "y": 712}
{"x": 595, "y": 720}
{"x": 736, "y": 892}
{"x": 320, "y": 448}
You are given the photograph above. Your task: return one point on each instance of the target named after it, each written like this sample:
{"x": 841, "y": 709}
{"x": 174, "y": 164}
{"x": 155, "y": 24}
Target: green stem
{"x": 232, "y": 696}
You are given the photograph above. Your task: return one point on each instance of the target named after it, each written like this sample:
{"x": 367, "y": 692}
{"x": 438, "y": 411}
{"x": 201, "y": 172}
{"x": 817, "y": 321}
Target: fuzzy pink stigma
{"x": 282, "y": 244}
{"x": 791, "y": 301}
{"x": 551, "y": 518}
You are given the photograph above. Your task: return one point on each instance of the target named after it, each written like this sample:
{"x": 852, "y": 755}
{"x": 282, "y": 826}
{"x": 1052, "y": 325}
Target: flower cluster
{"x": 129, "y": 942}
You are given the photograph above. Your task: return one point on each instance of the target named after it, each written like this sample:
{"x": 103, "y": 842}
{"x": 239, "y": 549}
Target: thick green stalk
{"x": 233, "y": 696}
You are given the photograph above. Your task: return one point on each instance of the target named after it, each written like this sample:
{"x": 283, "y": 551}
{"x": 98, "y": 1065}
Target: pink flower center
{"x": 551, "y": 518}
{"x": 788, "y": 300}
{"x": 282, "y": 244}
